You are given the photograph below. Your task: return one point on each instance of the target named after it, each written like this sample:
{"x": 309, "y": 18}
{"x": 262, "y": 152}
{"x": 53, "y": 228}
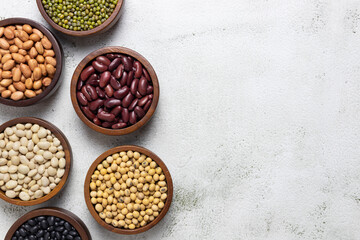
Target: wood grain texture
{"x": 68, "y": 156}
{"x": 55, "y": 83}
{"x": 148, "y": 153}
{"x": 143, "y": 61}
{"x": 68, "y": 216}
{"x": 114, "y": 17}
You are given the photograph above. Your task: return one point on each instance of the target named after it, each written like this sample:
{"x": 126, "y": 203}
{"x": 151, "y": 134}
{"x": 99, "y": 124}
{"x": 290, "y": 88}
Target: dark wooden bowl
{"x": 114, "y": 17}
{"x": 68, "y": 216}
{"x": 68, "y": 155}
{"x": 92, "y": 208}
{"x": 143, "y": 61}
{"x": 59, "y": 59}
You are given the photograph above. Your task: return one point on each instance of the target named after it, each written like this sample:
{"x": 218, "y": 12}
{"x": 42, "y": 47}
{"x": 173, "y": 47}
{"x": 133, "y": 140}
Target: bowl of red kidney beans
{"x": 114, "y": 90}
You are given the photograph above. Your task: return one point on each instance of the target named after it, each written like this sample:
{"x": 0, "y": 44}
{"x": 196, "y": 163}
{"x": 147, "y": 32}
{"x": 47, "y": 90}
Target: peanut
{"x": 37, "y": 85}
{"x": 5, "y": 82}
{"x": 4, "y": 44}
{"x": 28, "y": 44}
{"x": 18, "y": 57}
{"x": 6, "y": 94}
{"x": 16, "y": 96}
{"x": 16, "y": 75}
{"x": 37, "y": 73}
{"x": 12, "y": 88}
{"x": 46, "y": 43}
{"x": 6, "y": 58}
{"x": 33, "y": 53}
{"x": 19, "y": 86}
{"x": 46, "y": 81}
{"x": 29, "y": 93}
{"x": 49, "y": 53}
{"x": 8, "y": 65}
{"x": 6, "y": 74}
{"x": 13, "y": 49}
{"x": 29, "y": 83}
{"x": 38, "y": 32}
{"x": 1, "y": 31}
{"x": 34, "y": 37}
{"x": 9, "y": 34}
{"x": 50, "y": 60}
{"x": 50, "y": 69}
{"x": 32, "y": 64}
{"x": 25, "y": 69}
{"x": 27, "y": 28}
{"x": 23, "y": 36}
{"x": 19, "y": 43}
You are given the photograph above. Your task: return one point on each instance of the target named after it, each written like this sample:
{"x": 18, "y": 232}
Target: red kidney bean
{"x": 114, "y": 64}
{"x": 92, "y": 91}
{"x": 130, "y": 78}
{"x": 112, "y": 102}
{"x": 143, "y": 101}
{"x": 114, "y": 83}
{"x": 124, "y": 79}
{"x": 111, "y": 56}
{"x": 88, "y": 113}
{"x": 116, "y": 110}
{"x": 106, "y": 125}
{"x": 149, "y": 89}
{"x": 139, "y": 112}
{"x": 87, "y": 72}
{"x": 146, "y": 75}
{"x": 100, "y": 110}
{"x": 132, "y": 118}
{"x": 151, "y": 96}
{"x": 122, "y": 92}
{"x": 133, "y": 104}
{"x": 147, "y": 105}
{"x": 99, "y": 66}
{"x": 108, "y": 117}
{"x": 79, "y": 85}
{"x": 103, "y": 60}
{"x": 134, "y": 86}
{"x": 127, "y": 63}
{"x": 97, "y": 121}
{"x": 138, "y": 95}
{"x": 125, "y": 115}
{"x": 109, "y": 90}
{"x": 100, "y": 92}
{"x": 138, "y": 69}
{"x": 94, "y": 105}
{"x": 81, "y": 98}
{"x": 142, "y": 86}
{"x": 93, "y": 82}
{"x": 118, "y": 71}
{"x": 104, "y": 79}
{"x": 127, "y": 100}
{"x": 86, "y": 94}
{"x": 118, "y": 125}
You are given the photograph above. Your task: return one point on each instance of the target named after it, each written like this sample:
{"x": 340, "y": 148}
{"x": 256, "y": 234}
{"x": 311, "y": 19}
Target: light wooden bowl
{"x": 114, "y": 17}
{"x": 68, "y": 216}
{"x": 68, "y": 156}
{"x": 59, "y": 59}
{"x": 135, "y": 55}
{"x": 92, "y": 208}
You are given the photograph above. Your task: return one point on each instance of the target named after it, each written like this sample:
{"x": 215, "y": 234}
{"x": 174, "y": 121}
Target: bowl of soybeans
{"x": 128, "y": 189}
{"x": 30, "y": 62}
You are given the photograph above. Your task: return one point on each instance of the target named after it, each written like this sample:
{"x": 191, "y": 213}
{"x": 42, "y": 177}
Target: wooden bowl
{"x": 114, "y": 17}
{"x": 148, "y": 67}
{"x": 68, "y": 216}
{"x": 59, "y": 59}
{"x": 92, "y": 208}
{"x": 68, "y": 156}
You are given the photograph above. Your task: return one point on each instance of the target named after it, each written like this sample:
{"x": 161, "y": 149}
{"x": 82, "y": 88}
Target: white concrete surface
{"x": 258, "y": 118}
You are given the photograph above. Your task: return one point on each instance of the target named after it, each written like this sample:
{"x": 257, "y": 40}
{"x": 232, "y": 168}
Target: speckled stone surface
{"x": 258, "y": 119}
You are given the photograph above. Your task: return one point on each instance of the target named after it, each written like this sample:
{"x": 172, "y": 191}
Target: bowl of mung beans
{"x": 81, "y": 18}
{"x": 128, "y": 189}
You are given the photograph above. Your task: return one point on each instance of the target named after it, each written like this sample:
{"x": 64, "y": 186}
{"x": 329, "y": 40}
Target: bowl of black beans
{"x": 48, "y": 223}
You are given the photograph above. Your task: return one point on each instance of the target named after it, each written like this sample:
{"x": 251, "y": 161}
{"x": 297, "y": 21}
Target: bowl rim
{"x": 114, "y": 17}
{"x": 59, "y": 62}
{"x": 155, "y": 158}
{"x": 64, "y": 214}
{"x": 68, "y": 156}
{"x": 121, "y": 50}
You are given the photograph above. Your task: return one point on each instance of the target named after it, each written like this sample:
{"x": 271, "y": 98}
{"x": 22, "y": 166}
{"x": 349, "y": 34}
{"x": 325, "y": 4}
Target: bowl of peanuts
{"x": 31, "y": 61}
{"x": 128, "y": 189}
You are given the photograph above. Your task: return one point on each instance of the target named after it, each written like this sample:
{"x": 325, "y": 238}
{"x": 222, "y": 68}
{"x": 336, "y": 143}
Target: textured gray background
{"x": 258, "y": 119}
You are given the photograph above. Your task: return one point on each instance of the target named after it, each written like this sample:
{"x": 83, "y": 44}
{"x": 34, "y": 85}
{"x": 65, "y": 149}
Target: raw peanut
{"x": 29, "y": 83}
{"x": 46, "y": 43}
{"x": 50, "y": 69}
{"x": 39, "y": 47}
{"x": 37, "y": 85}
{"x": 29, "y": 93}
{"x": 27, "y": 28}
{"x": 22, "y": 52}
{"x": 32, "y": 64}
{"x": 16, "y": 96}
{"x": 18, "y": 57}
{"x": 37, "y": 73}
{"x": 27, "y": 58}
{"x": 14, "y": 49}
{"x": 11, "y": 41}
{"x": 6, "y": 94}
{"x": 38, "y": 91}
{"x": 1, "y": 31}
{"x": 18, "y": 43}
{"x": 4, "y": 44}
{"x": 6, "y": 74}
{"x": 8, "y": 65}
{"x": 34, "y": 37}
{"x": 2, "y": 89}
{"x": 18, "y": 27}
{"x": 28, "y": 44}
{"x": 40, "y": 59}
{"x": 38, "y": 32}
{"x": 19, "y": 86}
{"x": 16, "y": 74}
{"x": 50, "y": 60}
{"x": 25, "y": 69}
{"x": 23, "y": 36}
{"x": 33, "y": 53}
{"x": 5, "y": 82}
{"x": 6, "y": 58}
{"x": 46, "y": 81}
{"x": 3, "y": 51}
{"x": 49, "y": 53}
{"x": 43, "y": 69}
{"x": 9, "y": 34}
{"x": 12, "y": 88}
